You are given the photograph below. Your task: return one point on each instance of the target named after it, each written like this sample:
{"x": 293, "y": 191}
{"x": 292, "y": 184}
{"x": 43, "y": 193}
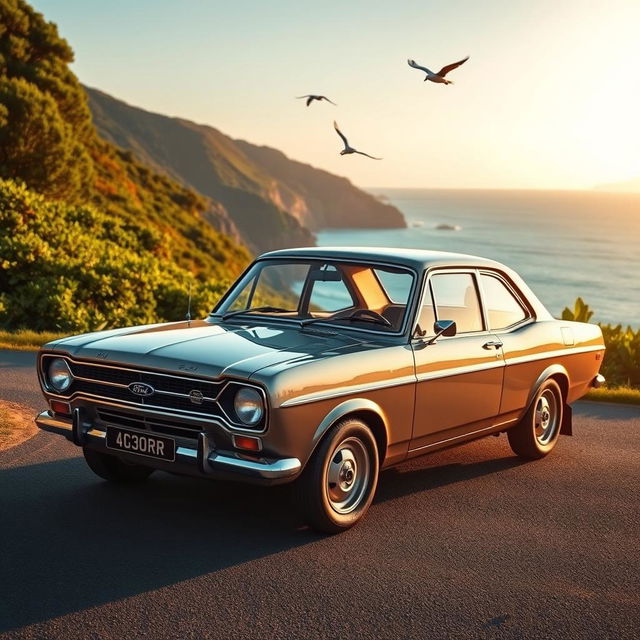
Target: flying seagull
{"x": 440, "y": 76}
{"x": 347, "y": 149}
{"x": 310, "y": 98}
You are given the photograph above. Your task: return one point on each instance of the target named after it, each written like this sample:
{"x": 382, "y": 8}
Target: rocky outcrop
{"x": 256, "y": 193}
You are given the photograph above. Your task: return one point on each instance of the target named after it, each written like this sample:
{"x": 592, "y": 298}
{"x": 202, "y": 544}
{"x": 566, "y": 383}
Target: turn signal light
{"x": 247, "y": 443}
{"x": 63, "y": 408}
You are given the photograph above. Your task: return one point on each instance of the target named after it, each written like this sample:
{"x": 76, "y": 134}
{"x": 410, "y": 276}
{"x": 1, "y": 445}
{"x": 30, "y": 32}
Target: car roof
{"x": 417, "y": 259}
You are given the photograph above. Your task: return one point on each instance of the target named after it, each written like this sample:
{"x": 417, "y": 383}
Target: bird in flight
{"x": 348, "y": 149}
{"x": 440, "y": 76}
{"x": 311, "y": 97}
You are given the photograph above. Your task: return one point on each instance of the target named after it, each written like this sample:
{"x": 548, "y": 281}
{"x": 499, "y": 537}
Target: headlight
{"x": 59, "y": 374}
{"x": 249, "y": 406}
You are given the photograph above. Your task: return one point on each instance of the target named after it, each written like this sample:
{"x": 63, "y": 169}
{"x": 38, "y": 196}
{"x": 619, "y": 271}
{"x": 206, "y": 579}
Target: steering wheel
{"x": 368, "y": 315}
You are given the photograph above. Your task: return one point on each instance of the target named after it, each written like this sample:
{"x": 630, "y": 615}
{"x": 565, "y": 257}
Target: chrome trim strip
{"x": 94, "y": 381}
{"x": 567, "y": 351}
{"x": 464, "y": 435}
{"x": 457, "y": 371}
{"x": 326, "y": 395}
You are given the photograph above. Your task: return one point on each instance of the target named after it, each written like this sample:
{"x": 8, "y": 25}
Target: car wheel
{"x": 113, "y": 469}
{"x": 339, "y": 481}
{"x": 537, "y": 433}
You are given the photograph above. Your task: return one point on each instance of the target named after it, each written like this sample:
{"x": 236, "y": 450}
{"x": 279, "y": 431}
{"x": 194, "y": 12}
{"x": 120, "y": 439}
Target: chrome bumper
{"x": 598, "y": 381}
{"x": 203, "y": 460}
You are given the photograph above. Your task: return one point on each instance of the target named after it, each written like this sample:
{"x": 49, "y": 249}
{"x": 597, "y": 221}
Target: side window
{"x": 503, "y": 310}
{"x": 330, "y": 295}
{"x": 456, "y": 299}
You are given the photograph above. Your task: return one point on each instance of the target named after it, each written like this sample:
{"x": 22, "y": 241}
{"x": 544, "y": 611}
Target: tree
{"x": 37, "y": 146}
{"x": 45, "y": 124}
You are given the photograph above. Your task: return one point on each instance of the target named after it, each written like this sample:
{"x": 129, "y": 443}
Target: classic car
{"x": 322, "y": 366}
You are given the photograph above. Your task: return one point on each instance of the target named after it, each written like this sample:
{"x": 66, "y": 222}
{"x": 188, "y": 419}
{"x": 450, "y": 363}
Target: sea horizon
{"x": 565, "y": 243}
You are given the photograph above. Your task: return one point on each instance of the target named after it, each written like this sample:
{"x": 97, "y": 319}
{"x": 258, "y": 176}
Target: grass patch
{"x": 16, "y": 424}
{"x": 26, "y": 340}
{"x": 622, "y": 395}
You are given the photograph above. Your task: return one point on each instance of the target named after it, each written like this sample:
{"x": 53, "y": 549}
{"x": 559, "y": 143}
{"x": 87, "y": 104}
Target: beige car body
{"x": 416, "y": 395}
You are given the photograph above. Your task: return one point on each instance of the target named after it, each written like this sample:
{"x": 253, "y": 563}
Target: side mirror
{"x": 445, "y": 328}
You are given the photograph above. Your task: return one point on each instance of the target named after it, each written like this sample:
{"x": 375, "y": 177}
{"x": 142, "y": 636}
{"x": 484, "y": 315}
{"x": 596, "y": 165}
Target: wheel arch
{"x": 560, "y": 375}
{"x": 360, "y": 408}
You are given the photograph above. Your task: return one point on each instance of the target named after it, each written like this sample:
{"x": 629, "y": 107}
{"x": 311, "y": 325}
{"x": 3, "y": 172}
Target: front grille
{"x": 195, "y": 397}
{"x": 163, "y": 426}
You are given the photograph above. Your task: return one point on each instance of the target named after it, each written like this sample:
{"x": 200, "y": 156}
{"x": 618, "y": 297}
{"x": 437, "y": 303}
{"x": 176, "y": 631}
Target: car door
{"x": 458, "y": 379}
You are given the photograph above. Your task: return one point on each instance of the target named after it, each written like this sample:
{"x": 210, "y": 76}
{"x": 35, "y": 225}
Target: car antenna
{"x": 188, "y": 317}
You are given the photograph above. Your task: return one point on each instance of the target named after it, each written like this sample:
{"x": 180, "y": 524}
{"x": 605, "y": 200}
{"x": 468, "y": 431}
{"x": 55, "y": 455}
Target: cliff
{"x": 259, "y": 195}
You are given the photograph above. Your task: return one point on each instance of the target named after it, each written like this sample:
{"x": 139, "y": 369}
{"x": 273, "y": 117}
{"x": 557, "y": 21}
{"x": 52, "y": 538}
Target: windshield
{"x": 346, "y": 293}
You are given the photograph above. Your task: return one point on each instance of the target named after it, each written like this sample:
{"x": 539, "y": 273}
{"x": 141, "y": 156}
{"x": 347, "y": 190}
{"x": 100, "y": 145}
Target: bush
{"x": 73, "y": 268}
{"x": 621, "y": 366}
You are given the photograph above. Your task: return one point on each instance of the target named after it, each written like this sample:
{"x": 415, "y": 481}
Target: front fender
{"x": 348, "y": 407}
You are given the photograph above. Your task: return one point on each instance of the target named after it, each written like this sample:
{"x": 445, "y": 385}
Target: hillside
{"x": 89, "y": 237}
{"x": 269, "y": 200}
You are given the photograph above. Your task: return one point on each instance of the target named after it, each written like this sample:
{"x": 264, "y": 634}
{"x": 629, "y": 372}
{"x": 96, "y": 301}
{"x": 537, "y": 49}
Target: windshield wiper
{"x": 266, "y": 309}
{"x": 308, "y": 321}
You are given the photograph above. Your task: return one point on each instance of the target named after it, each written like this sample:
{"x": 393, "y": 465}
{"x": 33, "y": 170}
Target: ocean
{"x": 565, "y": 244}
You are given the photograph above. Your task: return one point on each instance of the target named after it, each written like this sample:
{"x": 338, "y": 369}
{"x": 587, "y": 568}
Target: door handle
{"x": 492, "y": 344}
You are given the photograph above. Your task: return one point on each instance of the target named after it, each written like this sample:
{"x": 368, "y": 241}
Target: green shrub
{"x": 89, "y": 238}
{"x": 73, "y": 268}
{"x": 621, "y": 366}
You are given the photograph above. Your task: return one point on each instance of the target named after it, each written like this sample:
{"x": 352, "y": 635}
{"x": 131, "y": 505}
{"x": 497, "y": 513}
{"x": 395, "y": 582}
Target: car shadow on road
{"x": 607, "y": 411}
{"x": 439, "y": 470}
{"x": 72, "y": 541}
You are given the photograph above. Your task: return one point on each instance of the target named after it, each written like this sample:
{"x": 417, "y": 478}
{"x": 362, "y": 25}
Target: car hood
{"x": 208, "y": 349}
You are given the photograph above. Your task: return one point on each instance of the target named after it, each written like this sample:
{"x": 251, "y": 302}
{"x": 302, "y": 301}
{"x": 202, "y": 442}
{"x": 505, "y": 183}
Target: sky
{"x": 548, "y": 100}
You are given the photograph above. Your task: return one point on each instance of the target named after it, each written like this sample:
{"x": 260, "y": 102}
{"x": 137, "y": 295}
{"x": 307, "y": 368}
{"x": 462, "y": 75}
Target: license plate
{"x": 141, "y": 444}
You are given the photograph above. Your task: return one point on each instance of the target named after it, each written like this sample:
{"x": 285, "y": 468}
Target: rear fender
{"x": 555, "y": 370}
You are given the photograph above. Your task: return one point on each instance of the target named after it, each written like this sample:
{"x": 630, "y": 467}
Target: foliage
{"x": 73, "y": 268}
{"x": 621, "y": 364}
{"x": 27, "y": 339}
{"x": 89, "y": 237}
{"x": 580, "y": 313}
{"x": 621, "y": 395}
{"x": 45, "y": 124}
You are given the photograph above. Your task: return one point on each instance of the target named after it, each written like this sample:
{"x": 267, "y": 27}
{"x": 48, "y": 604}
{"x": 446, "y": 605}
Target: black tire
{"x": 113, "y": 469}
{"x": 538, "y": 431}
{"x": 340, "y": 480}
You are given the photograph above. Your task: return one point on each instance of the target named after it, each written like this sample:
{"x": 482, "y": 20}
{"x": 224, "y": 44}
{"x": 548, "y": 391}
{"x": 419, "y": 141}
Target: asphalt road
{"x": 470, "y": 542}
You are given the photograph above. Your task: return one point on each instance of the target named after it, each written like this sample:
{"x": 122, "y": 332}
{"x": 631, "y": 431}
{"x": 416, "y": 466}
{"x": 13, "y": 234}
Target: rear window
{"x": 503, "y": 309}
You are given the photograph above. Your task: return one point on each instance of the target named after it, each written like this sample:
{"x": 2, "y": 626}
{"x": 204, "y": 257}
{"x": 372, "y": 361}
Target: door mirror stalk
{"x": 445, "y": 328}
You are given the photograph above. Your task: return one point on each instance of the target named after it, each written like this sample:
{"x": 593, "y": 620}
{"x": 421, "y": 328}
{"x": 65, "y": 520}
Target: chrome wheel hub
{"x": 546, "y": 417}
{"x": 347, "y": 475}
